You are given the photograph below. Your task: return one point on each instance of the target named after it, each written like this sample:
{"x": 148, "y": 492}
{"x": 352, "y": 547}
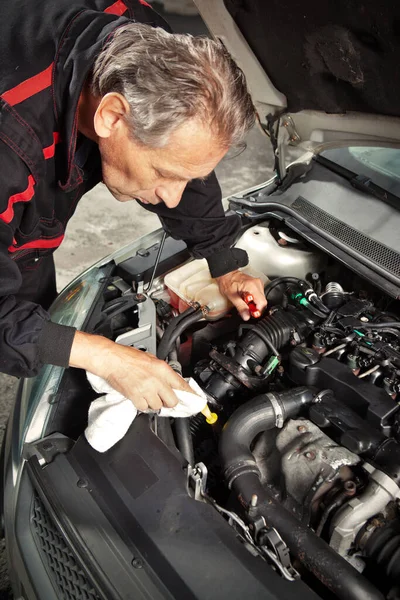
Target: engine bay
{"x": 304, "y": 459}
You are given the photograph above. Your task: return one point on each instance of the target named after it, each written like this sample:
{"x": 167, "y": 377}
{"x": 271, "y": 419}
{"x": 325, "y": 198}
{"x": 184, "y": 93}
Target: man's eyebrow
{"x": 170, "y": 175}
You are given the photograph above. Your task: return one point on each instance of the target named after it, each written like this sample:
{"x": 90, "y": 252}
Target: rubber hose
{"x": 190, "y": 310}
{"x": 280, "y": 280}
{"x": 383, "y": 547}
{"x": 301, "y": 283}
{"x": 175, "y": 330}
{"x": 315, "y": 554}
{"x": 392, "y": 324}
{"x": 184, "y": 439}
{"x": 253, "y": 417}
{"x": 320, "y": 305}
{"x": 316, "y": 311}
{"x": 243, "y": 476}
{"x": 258, "y": 331}
{"x": 278, "y": 327}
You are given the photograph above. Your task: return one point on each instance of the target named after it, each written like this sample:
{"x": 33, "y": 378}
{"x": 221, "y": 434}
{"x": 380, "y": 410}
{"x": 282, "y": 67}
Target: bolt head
{"x": 82, "y": 483}
{"x": 310, "y": 455}
{"x": 302, "y": 429}
{"x": 137, "y": 563}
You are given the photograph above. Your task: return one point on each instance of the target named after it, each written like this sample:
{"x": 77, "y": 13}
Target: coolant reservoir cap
{"x": 302, "y": 357}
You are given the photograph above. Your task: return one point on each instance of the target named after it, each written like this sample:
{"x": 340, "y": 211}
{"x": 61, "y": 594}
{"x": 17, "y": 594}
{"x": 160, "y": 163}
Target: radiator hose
{"x": 242, "y": 475}
{"x": 175, "y": 329}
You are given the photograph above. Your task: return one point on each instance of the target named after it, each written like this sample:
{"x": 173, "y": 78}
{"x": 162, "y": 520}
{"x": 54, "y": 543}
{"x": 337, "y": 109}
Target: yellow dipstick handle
{"x": 211, "y": 417}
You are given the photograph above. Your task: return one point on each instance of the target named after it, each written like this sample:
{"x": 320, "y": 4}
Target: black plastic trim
{"x": 134, "y": 504}
{"x": 80, "y": 551}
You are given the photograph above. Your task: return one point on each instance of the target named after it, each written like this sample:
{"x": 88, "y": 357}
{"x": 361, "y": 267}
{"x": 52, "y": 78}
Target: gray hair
{"x": 168, "y": 79}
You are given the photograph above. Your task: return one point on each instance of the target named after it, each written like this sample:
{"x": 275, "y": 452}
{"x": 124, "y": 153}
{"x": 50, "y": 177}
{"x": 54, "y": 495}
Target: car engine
{"x": 304, "y": 459}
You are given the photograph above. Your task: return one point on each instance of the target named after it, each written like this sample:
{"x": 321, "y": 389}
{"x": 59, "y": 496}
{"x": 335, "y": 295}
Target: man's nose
{"x": 171, "y": 193}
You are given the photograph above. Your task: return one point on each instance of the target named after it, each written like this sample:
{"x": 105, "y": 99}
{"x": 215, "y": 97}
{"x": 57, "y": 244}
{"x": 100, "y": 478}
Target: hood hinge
{"x": 281, "y": 131}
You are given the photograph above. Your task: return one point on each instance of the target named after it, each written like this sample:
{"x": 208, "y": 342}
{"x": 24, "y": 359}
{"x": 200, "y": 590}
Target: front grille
{"x": 68, "y": 577}
{"x": 378, "y": 253}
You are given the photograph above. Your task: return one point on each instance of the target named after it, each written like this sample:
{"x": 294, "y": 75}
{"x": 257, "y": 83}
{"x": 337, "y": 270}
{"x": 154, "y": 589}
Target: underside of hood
{"x": 332, "y": 56}
{"x": 334, "y": 66}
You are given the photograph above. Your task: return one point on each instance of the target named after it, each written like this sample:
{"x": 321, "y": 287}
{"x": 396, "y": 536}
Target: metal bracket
{"x": 196, "y": 482}
{"x": 274, "y": 546}
{"x": 144, "y": 336}
{"x": 47, "y": 448}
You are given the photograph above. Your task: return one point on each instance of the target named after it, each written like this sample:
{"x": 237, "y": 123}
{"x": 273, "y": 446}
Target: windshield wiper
{"x": 360, "y": 182}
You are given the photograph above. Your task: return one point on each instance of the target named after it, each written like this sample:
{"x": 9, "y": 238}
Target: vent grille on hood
{"x": 376, "y": 252}
{"x": 68, "y": 577}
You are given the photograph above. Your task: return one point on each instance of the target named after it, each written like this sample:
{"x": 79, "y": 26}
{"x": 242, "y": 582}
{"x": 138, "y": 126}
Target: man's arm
{"x": 209, "y": 233}
{"x": 28, "y": 338}
{"x": 23, "y": 324}
{"x": 200, "y": 221}
{"x": 137, "y": 375}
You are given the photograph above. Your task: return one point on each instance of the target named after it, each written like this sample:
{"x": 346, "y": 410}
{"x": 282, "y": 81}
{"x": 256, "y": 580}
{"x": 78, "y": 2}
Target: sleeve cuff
{"x": 55, "y": 342}
{"x": 225, "y": 261}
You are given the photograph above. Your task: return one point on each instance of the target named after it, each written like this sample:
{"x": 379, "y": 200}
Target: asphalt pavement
{"x": 101, "y": 225}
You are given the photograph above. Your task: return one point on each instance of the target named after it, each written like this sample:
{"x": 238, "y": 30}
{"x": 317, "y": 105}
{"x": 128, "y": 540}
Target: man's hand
{"x": 233, "y": 285}
{"x": 139, "y": 376}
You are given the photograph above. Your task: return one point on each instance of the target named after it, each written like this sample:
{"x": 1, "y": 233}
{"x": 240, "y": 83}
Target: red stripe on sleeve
{"x": 49, "y": 151}
{"x": 145, "y": 3}
{"x": 29, "y": 87}
{"x": 8, "y": 215}
{"x": 41, "y": 81}
{"x": 39, "y": 244}
{"x": 118, "y": 8}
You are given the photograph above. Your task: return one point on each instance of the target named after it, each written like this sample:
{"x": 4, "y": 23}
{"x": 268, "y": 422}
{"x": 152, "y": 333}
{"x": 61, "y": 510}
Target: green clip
{"x": 271, "y": 365}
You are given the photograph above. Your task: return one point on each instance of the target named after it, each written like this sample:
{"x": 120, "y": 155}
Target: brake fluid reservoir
{"x": 193, "y": 283}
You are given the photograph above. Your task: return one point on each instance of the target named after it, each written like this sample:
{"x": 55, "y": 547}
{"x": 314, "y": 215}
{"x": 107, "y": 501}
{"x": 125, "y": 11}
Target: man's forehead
{"x": 180, "y": 173}
{"x": 189, "y": 160}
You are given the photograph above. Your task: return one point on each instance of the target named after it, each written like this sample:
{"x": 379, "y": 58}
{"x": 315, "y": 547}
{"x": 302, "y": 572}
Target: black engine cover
{"x": 369, "y": 401}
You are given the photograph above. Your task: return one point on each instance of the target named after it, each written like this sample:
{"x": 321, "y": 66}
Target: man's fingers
{"x": 140, "y": 403}
{"x": 155, "y": 402}
{"x": 168, "y": 397}
{"x": 241, "y": 307}
{"x": 256, "y": 289}
{"x": 175, "y": 381}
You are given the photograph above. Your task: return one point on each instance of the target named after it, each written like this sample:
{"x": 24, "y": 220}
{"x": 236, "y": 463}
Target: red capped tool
{"x": 253, "y": 310}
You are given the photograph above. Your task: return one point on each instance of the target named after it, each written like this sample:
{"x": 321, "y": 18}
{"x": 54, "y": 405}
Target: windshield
{"x": 380, "y": 165}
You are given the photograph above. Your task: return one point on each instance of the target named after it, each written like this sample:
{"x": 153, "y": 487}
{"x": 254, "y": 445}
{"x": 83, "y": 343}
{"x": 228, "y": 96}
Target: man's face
{"x": 153, "y": 175}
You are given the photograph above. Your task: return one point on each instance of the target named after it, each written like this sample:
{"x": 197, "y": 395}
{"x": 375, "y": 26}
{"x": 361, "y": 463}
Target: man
{"x": 89, "y": 92}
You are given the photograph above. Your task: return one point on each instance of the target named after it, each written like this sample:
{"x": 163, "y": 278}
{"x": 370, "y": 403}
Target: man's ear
{"x": 110, "y": 114}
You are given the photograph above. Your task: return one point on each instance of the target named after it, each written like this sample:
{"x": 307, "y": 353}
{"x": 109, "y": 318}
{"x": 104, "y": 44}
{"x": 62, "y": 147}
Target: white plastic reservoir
{"x": 193, "y": 283}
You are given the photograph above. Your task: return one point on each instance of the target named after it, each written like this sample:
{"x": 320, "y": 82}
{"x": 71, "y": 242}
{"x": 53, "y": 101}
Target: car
{"x": 294, "y": 491}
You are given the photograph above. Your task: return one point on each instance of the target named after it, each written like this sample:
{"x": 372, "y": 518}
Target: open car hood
{"x": 331, "y": 68}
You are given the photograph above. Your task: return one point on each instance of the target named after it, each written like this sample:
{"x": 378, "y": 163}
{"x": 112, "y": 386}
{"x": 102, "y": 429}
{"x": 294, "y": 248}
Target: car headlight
{"x": 71, "y": 307}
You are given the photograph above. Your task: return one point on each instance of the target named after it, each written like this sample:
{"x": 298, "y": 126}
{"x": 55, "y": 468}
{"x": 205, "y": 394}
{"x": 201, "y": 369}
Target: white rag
{"x": 110, "y": 416}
